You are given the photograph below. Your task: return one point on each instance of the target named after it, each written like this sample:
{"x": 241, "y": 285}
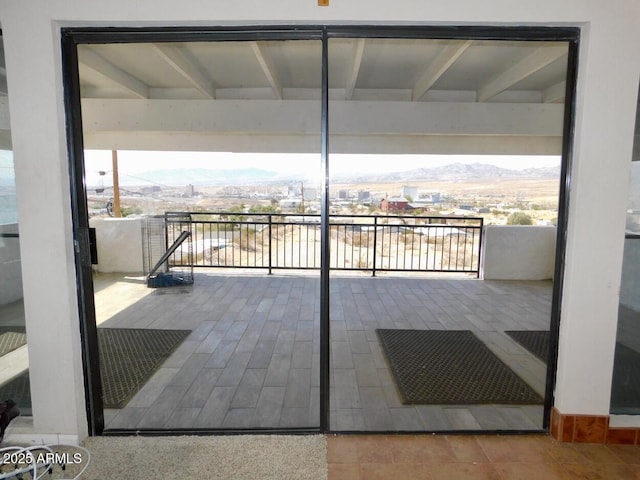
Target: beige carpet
{"x": 241, "y": 457}
{"x": 228, "y": 457}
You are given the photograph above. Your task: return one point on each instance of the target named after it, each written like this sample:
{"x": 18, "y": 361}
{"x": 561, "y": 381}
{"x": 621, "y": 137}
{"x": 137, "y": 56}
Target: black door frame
{"x": 72, "y": 37}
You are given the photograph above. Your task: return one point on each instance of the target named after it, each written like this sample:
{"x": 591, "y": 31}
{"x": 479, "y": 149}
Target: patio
{"x": 252, "y": 358}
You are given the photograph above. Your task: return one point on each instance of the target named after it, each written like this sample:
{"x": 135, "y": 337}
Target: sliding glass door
{"x": 292, "y": 212}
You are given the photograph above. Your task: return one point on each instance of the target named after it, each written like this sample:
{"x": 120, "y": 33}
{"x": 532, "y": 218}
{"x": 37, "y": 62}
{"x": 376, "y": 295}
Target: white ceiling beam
{"x": 554, "y": 93}
{"x": 100, "y": 65}
{"x": 535, "y": 61}
{"x": 358, "y": 53}
{"x": 438, "y": 67}
{"x": 175, "y": 57}
{"x": 362, "y": 117}
{"x": 267, "y": 67}
{"x": 293, "y": 143}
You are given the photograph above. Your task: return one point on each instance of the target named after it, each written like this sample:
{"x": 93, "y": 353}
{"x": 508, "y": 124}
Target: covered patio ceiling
{"x": 386, "y": 96}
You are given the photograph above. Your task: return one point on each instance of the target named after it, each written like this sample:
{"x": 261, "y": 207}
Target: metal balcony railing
{"x": 372, "y": 243}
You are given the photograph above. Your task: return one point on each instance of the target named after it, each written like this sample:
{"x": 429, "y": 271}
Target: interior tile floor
{"x": 449, "y": 457}
{"x": 252, "y": 358}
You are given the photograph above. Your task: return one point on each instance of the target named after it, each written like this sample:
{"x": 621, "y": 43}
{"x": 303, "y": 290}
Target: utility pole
{"x": 116, "y": 184}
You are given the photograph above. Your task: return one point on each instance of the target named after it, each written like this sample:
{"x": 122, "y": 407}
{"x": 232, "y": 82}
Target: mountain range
{"x": 199, "y": 176}
{"x": 451, "y": 172}
{"x": 204, "y": 176}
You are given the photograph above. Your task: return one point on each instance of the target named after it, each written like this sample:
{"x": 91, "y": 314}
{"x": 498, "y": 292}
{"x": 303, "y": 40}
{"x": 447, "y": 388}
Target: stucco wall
{"x": 119, "y": 243}
{"x": 514, "y": 252}
{"x": 608, "y": 72}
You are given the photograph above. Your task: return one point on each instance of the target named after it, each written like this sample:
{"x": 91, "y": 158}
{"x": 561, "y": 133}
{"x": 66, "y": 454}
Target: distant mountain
{"x": 198, "y": 176}
{"x": 248, "y": 176}
{"x": 452, "y": 172}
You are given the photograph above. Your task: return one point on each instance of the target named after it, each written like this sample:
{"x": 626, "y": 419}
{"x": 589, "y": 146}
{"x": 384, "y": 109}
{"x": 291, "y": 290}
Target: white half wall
{"x": 518, "y": 252}
{"x": 10, "y": 266}
{"x": 119, "y": 244}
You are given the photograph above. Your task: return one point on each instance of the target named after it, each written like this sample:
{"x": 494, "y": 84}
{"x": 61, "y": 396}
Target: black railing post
{"x": 481, "y": 230}
{"x": 270, "y": 272}
{"x": 166, "y": 233}
{"x": 375, "y": 244}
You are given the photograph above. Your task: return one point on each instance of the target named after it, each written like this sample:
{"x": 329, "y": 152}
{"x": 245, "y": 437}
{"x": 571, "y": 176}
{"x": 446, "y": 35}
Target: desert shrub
{"x": 126, "y": 211}
{"x": 264, "y": 209}
{"x": 362, "y": 263}
{"x": 358, "y": 239}
{"x": 519, "y": 218}
{"x": 247, "y": 240}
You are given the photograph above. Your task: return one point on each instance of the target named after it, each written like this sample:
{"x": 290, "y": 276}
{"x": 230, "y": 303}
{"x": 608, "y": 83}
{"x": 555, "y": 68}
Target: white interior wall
{"x": 46, "y": 243}
{"x": 607, "y": 88}
{"x": 607, "y": 78}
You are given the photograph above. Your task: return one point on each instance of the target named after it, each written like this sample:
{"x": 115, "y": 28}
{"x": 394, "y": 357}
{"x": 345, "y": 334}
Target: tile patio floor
{"x": 252, "y": 359}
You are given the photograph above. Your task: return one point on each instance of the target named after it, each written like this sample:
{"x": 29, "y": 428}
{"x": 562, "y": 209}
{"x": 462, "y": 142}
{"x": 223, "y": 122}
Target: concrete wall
{"x": 515, "y": 252}
{"x": 10, "y": 266}
{"x": 119, "y": 243}
{"x": 608, "y": 72}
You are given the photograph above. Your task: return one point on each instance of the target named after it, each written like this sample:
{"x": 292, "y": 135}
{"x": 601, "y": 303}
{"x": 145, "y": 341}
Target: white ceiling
{"x": 386, "y": 96}
{"x": 382, "y": 69}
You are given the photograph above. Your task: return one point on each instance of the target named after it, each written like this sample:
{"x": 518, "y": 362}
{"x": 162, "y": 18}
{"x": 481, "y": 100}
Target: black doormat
{"x": 11, "y": 338}
{"x": 535, "y": 341}
{"x": 128, "y": 359}
{"x": 625, "y": 387}
{"x": 437, "y": 367}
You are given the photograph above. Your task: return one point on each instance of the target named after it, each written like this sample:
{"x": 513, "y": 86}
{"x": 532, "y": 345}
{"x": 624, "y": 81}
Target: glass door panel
{"x": 207, "y": 230}
{"x": 414, "y": 182}
{"x": 14, "y": 361}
